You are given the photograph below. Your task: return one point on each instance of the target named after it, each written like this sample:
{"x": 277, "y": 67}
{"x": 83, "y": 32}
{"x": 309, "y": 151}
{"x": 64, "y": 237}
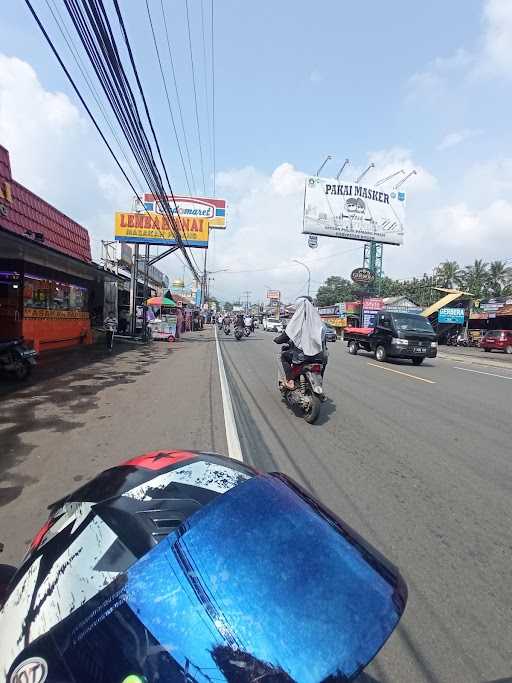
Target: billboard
{"x": 213, "y": 210}
{"x": 352, "y": 211}
{"x": 154, "y": 228}
{"x": 371, "y": 308}
{"x": 274, "y": 294}
{"x": 451, "y": 315}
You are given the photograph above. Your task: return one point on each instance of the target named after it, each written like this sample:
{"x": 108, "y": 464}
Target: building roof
{"x": 33, "y": 219}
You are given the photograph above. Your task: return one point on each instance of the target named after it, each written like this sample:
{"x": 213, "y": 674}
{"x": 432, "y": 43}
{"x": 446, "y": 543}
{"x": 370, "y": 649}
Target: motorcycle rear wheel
{"x": 311, "y": 416}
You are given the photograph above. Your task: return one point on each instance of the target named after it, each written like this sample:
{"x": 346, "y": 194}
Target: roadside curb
{"x": 475, "y": 361}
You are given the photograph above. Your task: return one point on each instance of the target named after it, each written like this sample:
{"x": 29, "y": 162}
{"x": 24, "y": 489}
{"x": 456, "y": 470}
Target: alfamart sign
{"x": 352, "y": 211}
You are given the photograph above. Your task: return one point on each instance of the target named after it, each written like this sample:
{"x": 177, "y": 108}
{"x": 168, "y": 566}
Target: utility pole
{"x": 247, "y": 294}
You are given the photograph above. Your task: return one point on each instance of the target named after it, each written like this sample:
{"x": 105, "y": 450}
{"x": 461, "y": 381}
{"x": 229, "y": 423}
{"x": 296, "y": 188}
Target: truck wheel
{"x": 417, "y": 361}
{"x": 380, "y": 354}
{"x": 487, "y": 350}
{"x": 352, "y": 347}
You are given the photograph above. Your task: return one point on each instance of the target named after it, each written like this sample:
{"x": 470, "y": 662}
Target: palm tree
{"x": 499, "y": 277}
{"x": 475, "y": 278}
{"x": 447, "y": 273}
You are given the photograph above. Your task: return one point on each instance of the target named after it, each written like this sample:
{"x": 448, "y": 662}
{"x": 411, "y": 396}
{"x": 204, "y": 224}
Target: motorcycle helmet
{"x": 189, "y": 566}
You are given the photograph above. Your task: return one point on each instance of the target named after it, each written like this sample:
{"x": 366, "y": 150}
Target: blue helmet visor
{"x": 264, "y": 582}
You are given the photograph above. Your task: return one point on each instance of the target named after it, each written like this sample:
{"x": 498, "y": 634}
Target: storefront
{"x": 47, "y": 278}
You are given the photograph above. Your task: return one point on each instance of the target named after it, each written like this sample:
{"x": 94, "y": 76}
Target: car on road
{"x": 272, "y": 325}
{"x": 330, "y": 333}
{"x": 497, "y": 340}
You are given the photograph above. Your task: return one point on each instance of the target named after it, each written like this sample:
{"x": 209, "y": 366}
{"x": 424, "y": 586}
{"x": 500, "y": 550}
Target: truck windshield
{"x": 412, "y": 323}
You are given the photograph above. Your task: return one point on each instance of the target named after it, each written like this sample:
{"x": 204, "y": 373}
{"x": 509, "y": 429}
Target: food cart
{"x": 164, "y": 324}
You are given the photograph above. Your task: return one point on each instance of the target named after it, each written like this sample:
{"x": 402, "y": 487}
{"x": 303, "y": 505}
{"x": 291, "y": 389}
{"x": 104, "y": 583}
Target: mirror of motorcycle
{"x": 262, "y": 581}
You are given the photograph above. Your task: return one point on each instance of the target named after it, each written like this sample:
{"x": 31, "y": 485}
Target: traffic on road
{"x": 207, "y": 478}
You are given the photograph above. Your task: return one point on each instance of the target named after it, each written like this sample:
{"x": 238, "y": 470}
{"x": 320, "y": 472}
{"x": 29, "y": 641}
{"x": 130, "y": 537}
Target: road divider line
{"x": 481, "y": 372}
{"x": 399, "y": 372}
{"x": 234, "y": 449}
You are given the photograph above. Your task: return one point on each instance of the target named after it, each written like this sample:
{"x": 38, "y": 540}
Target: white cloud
{"x": 316, "y": 76}
{"x": 55, "y": 152}
{"x": 496, "y": 58}
{"x": 490, "y": 56}
{"x": 457, "y": 137}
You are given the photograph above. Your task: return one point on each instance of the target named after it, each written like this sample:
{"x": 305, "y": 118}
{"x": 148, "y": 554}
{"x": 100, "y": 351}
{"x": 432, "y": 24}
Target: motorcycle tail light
{"x": 316, "y": 368}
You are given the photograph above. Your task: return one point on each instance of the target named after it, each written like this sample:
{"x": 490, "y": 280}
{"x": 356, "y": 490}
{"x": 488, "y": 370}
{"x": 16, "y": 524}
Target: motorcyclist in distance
{"x": 304, "y": 339}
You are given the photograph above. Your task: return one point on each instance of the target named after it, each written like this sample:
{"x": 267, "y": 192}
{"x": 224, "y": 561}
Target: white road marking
{"x": 480, "y": 372}
{"x": 399, "y": 372}
{"x": 234, "y": 450}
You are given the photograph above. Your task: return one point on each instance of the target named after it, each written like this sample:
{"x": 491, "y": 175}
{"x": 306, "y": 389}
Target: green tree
{"x": 475, "y": 279}
{"x": 446, "y": 274}
{"x": 228, "y": 306}
{"x": 499, "y": 278}
{"x": 335, "y": 289}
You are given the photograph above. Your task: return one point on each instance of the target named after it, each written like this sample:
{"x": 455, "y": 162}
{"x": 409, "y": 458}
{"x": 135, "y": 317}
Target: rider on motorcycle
{"x": 304, "y": 339}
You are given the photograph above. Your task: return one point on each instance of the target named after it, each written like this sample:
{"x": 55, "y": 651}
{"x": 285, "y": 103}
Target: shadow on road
{"x": 64, "y": 387}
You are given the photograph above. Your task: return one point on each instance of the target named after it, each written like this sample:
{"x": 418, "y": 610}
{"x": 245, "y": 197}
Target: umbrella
{"x": 160, "y": 301}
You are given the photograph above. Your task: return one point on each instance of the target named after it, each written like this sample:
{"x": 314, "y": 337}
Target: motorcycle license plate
{"x": 419, "y": 349}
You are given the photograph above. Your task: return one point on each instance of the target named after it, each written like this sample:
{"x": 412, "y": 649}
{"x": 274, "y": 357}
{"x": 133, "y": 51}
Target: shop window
{"x": 59, "y": 296}
{"x": 36, "y": 292}
{"x": 77, "y": 298}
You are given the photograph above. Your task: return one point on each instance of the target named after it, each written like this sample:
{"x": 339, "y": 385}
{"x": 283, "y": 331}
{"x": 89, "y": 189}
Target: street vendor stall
{"x": 164, "y": 324}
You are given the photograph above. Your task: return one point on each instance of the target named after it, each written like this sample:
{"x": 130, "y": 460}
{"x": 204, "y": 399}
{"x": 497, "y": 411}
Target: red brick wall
{"x": 29, "y": 212}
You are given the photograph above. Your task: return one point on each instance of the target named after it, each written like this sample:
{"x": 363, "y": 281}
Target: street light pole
{"x": 309, "y": 272}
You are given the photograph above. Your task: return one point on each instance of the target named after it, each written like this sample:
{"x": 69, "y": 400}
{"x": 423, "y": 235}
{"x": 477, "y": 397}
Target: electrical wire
{"x": 205, "y": 65}
{"x": 167, "y": 94}
{"x": 195, "y": 96}
{"x": 178, "y": 99}
{"x": 93, "y": 27}
{"x": 213, "y": 106}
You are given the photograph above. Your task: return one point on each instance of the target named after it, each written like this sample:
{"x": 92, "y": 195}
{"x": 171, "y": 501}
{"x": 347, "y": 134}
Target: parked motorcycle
{"x": 110, "y": 325}
{"x": 133, "y": 578}
{"x": 308, "y": 393}
{"x": 17, "y": 359}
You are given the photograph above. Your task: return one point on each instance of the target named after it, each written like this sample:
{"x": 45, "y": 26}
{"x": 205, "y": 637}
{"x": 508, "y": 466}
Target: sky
{"x": 422, "y": 86}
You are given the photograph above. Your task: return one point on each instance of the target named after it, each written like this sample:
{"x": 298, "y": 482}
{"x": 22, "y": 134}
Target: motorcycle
{"x": 110, "y": 325}
{"x": 239, "y": 332}
{"x": 17, "y": 359}
{"x": 308, "y": 393}
{"x": 227, "y": 328}
{"x": 247, "y": 331}
{"x": 132, "y": 578}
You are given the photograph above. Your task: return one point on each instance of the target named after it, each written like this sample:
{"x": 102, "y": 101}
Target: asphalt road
{"x": 423, "y": 470}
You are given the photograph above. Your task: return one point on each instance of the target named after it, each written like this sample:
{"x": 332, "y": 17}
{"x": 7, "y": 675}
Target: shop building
{"x": 48, "y": 282}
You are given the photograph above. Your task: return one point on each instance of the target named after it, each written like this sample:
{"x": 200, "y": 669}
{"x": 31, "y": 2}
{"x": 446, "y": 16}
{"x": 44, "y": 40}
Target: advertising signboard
{"x": 154, "y": 228}
{"x": 451, "y": 315}
{"x": 371, "y": 308}
{"x": 274, "y": 294}
{"x": 362, "y": 276}
{"x": 213, "y": 210}
{"x": 353, "y": 211}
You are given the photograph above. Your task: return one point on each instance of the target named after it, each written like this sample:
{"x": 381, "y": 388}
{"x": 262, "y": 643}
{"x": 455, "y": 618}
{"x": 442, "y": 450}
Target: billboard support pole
{"x": 133, "y": 291}
{"x": 145, "y": 295}
{"x": 329, "y": 157}
{"x": 165, "y": 253}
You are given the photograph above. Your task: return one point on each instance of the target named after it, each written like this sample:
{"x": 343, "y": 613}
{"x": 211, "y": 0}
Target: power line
{"x": 167, "y": 95}
{"x": 205, "y": 64}
{"x": 178, "y": 95}
{"x": 96, "y": 36}
{"x": 195, "y": 95}
{"x": 213, "y": 106}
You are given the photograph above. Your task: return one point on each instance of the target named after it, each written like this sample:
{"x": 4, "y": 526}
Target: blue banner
{"x": 451, "y": 315}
